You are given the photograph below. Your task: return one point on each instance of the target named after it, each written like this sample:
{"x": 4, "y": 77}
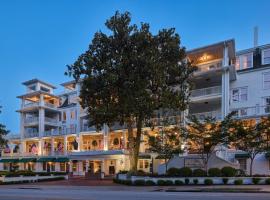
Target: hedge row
{"x": 29, "y": 173}
{"x": 208, "y": 181}
{"x": 30, "y": 181}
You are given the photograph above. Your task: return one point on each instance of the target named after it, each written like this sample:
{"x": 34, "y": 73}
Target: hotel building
{"x": 55, "y": 136}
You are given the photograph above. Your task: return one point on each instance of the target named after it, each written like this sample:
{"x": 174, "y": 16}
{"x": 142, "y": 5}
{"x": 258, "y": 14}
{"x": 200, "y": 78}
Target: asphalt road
{"x": 106, "y": 193}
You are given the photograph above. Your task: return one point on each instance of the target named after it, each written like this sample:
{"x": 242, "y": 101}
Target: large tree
{"x": 129, "y": 73}
{"x": 251, "y": 137}
{"x": 204, "y": 136}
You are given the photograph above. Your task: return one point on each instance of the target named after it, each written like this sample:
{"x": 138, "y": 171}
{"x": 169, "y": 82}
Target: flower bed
{"x": 162, "y": 181}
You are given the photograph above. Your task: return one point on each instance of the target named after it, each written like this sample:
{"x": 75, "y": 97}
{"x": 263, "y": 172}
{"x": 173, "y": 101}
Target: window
{"x": 267, "y": 104}
{"x": 243, "y": 164}
{"x": 44, "y": 166}
{"x": 52, "y": 166}
{"x": 72, "y": 114}
{"x": 266, "y": 80}
{"x": 243, "y": 112}
{"x": 244, "y": 61}
{"x": 239, "y": 94}
{"x": 266, "y": 57}
{"x": 64, "y": 116}
{"x": 62, "y": 166}
{"x": 141, "y": 164}
{"x": 146, "y": 164}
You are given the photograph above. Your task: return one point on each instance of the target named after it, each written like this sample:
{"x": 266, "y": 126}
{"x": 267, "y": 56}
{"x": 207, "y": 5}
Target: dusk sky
{"x": 39, "y": 38}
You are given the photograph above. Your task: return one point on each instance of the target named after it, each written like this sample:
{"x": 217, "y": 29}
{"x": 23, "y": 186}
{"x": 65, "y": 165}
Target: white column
{"x": 225, "y": 84}
{"x": 52, "y": 146}
{"x": 40, "y": 147}
{"x": 102, "y": 168}
{"x": 65, "y": 145}
{"x": 124, "y": 137}
{"x": 105, "y": 137}
{"x": 22, "y": 123}
{"x": 41, "y": 125}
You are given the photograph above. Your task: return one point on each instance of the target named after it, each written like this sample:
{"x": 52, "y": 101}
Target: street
{"x": 42, "y": 192}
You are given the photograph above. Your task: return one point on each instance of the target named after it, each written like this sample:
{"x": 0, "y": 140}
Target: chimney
{"x": 256, "y": 30}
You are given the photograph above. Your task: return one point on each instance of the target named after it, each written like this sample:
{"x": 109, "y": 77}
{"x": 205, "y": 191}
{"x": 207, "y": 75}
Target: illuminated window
{"x": 141, "y": 164}
{"x": 146, "y": 164}
{"x": 266, "y": 57}
{"x": 62, "y": 167}
{"x": 72, "y": 114}
{"x": 244, "y": 61}
{"x": 64, "y": 116}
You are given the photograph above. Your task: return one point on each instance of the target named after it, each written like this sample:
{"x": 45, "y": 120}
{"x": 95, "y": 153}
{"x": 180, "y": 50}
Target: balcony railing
{"x": 208, "y": 67}
{"x": 254, "y": 111}
{"x": 33, "y": 104}
{"x": 213, "y": 114}
{"x": 54, "y": 132}
{"x": 31, "y": 120}
{"x": 51, "y": 121}
{"x": 86, "y": 128}
{"x": 31, "y": 134}
{"x": 205, "y": 92}
{"x": 50, "y": 105}
{"x": 164, "y": 121}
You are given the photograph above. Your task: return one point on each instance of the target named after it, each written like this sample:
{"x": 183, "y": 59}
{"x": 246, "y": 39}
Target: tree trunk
{"x": 134, "y": 144}
{"x": 251, "y": 166}
{"x": 166, "y": 166}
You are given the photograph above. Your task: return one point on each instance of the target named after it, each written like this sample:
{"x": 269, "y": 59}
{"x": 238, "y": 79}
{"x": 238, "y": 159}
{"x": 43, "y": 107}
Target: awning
{"x": 144, "y": 156}
{"x": 161, "y": 157}
{"x": 9, "y": 160}
{"x": 241, "y": 155}
{"x": 63, "y": 159}
{"x": 46, "y": 159}
{"x": 26, "y": 160}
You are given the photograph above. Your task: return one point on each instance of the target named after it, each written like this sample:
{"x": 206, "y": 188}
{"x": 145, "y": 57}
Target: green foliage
{"x": 267, "y": 181}
{"x": 185, "y": 172}
{"x": 198, "y": 173}
{"x": 195, "y": 181}
{"x": 128, "y": 74}
{"x": 139, "y": 182}
{"x": 225, "y": 181}
{"x": 173, "y": 171}
{"x": 3, "y": 133}
{"x": 238, "y": 182}
{"x": 187, "y": 181}
{"x": 168, "y": 182}
{"x": 150, "y": 182}
{"x": 208, "y": 181}
{"x": 161, "y": 182}
{"x": 228, "y": 171}
{"x": 178, "y": 182}
{"x": 255, "y": 180}
{"x": 214, "y": 172}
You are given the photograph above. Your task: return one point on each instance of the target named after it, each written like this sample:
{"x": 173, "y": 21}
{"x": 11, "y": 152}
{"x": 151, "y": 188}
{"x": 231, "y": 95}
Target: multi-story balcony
{"x": 31, "y": 134}
{"x": 202, "y": 68}
{"x": 38, "y": 104}
{"x": 254, "y": 111}
{"x": 205, "y": 93}
{"x": 55, "y": 132}
{"x": 86, "y": 128}
{"x": 213, "y": 114}
{"x": 51, "y": 121}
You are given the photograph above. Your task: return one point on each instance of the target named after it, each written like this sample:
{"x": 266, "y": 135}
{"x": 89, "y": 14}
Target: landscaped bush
{"x": 208, "y": 181}
{"x": 256, "y": 180}
{"x": 168, "y": 182}
{"x": 199, "y": 173}
{"x": 126, "y": 182}
{"x": 267, "y": 181}
{"x": 139, "y": 182}
{"x": 195, "y": 181}
{"x": 238, "y": 182}
{"x": 225, "y": 181}
{"x": 123, "y": 172}
{"x": 140, "y": 173}
{"x": 214, "y": 172}
{"x": 178, "y": 182}
{"x": 173, "y": 171}
{"x": 228, "y": 171}
{"x": 187, "y": 181}
{"x": 150, "y": 182}
{"x": 185, "y": 172}
{"x": 161, "y": 182}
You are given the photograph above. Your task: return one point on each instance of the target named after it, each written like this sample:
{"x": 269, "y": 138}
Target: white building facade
{"x": 55, "y": 136}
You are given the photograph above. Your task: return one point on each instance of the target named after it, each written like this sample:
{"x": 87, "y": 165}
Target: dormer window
{"x": 244, "y": 61}
{"x": 266, "y": 56}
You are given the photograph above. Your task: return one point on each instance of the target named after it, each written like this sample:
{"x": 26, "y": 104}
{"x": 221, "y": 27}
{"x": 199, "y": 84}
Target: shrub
{"x": 214, "y": 172}
{"x": 256, "y": 180}
{"x": 173, "y": 171}
{"x": 199, "y": 173}
{"x": 178, "y": 182}
{"x": 240, "y": 172}
{"x": 168, "y": 182}
{"x": 186, "y": 181}
{"x": 228, "y": 171}
{"x": 238, "y": 182}
{"x": 208, "y": 181}
{"x": 160, "y": 182}
{"x": 225, "y": 181}
{"x": 139, "y": 182}
{"x": 123, "y": 172}
{"x": 126, "y": 182}
{"x": 150, "y": 182}
{"x": 195, "y": 181}
{"x": 185, "y": 172}
{"x": 140, "y": 173}
{"x": 267, "y": 181}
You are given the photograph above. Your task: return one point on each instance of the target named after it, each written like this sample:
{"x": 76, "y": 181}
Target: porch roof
{"x": 26, "y": 160}
{"x": 9, "y": 160}
{"x": 62, "y": 159}
{"x": 46, "y": 159}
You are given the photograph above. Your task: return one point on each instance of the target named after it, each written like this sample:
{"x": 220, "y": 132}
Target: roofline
{"x": 252, "y": 49}
{"x": 70, "y": 82}
{"x": 207, "y": 46}
{"x": 35, "y": 80}
{"x": 38, "y": 92}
